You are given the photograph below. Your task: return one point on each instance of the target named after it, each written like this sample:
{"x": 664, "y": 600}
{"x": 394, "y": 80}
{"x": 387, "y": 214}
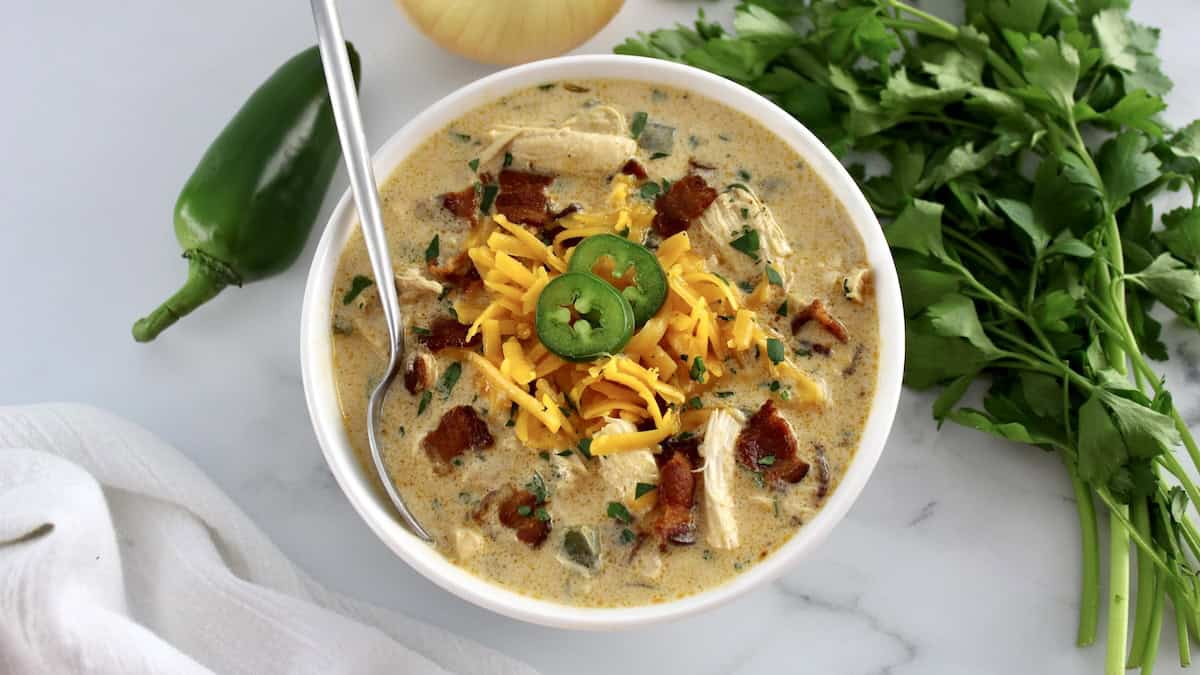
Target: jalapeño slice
{"x": 649, "y": 288}
{"x": 581, "y": 317}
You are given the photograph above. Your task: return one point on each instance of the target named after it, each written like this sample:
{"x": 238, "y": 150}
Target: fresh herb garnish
{"x": 541, "y": 514}
{"x": 547, "y": 86}
{"x": 544, "y": 455}
{"x": 460, "y": 137}
{"x": 449, "y": 379}
{"x": 695, "y": 403}
{"x": 743, "y": 175}
{"x": 723, "y": 394}
{"x": 766, "y": 460}
{"x": 747, "y": 243}
{"x": 508, "y": 159}
{"x": 698, "y": 370}
{"x": 649, "y": 190}
{"x": 537, "y": 487}
{"x": 775, "y": 350}
{"x": 426, "y": 397}
{"x": 627, "y": 535}
{"x": 433, "y": 250}
{"x": 421, "y": 330}
{"x": 774, "y": 277}
{"x": 638, "y": 123}
{"x": 565, "y": 453}
{"x": 1030, "y": 260}
{"x": 585, "y": 447}
{"x": 524, "y": 510}
{"x": 643, "y": 489}
{"x": 474, "y": 164}
{"x": 659, "y": 155}
{"x": 489, "y": 195}
{"x": 357, "y": 285}
{"x": 783, "y": 308}
{"x": 618, "y": 512}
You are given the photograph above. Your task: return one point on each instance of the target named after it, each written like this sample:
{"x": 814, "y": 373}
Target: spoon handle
{"x": 342, "y": 94}
{"x": 340, "y": 81}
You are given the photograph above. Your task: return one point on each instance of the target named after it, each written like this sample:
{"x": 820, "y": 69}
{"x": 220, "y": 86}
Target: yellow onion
{"x": 506, "y": 32}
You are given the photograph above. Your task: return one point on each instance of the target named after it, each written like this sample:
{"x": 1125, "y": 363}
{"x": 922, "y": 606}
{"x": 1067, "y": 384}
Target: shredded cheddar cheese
{"x": 704, "y": 320}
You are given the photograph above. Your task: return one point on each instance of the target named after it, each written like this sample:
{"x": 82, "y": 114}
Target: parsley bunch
{"x": 1025, "y": 146}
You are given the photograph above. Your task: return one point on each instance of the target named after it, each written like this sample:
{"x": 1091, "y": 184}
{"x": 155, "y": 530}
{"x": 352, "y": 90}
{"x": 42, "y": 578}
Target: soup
{"x": 642, "y": 342}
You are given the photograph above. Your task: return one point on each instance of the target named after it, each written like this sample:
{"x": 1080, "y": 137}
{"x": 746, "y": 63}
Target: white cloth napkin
{"x": 117, "y": 555}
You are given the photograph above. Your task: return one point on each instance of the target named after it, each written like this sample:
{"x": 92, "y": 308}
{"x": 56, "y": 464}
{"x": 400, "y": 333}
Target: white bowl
{"x": 316, "y": 344}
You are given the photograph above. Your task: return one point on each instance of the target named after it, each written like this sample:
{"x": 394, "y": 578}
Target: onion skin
{"x": 506, "y": 32}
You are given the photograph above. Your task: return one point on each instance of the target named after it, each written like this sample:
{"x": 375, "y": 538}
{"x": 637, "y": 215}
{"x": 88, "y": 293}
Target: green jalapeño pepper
{"x": 247, "y": 209}
{"x": 649, "y": 288}
{"x": 581, "y": 317}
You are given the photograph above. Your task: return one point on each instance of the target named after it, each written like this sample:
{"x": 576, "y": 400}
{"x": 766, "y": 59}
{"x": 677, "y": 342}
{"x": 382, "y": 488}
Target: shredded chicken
{"x": 467, "y": 542}
{"x": 411, "y": 287}
{"x": 624, "y": 470}
{"x": 720, "y": 437}
{"x": 735, "y": 210}
{"x": 592, "y": 143}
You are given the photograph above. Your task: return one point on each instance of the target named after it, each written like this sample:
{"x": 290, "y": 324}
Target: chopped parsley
{"x": 420, "y": 330}
{"x": 643, "y": 488}
{"x": 474, "y": 164}
{"x": 460, "y": 137}
{"x": 775, "y": 350}
{"x": 618, "y": 512}
{"x": 659, "y": 155}
{"x": 649, "y": 190}
{"x": 698, "y": 370}
{"x": 449, "y": 379}
{"x": 524, "y": 510}
{"x": 638, "y": 124}
{"x": 357, "y": 285}
{"x": 544, "y": 455}
{"x": 489, "y": 196}
{"x": 585, "y": 447}
{"x": 565, "y": 453}
{"x": 695, "y": 403}
{"x": 747, "y": 243}
{"x": 773, "y": 276}
{"x": 766, "y": 460}
{"x": 546, "y": 87}
{"x": 537, "y": 487}
{"x": 724, "y": 394}
{"x": 627, "y": 536}
{"x": 542, "y": 514}
{"x": 783, "y": 308}
{"x": 507, "y": 159}
{"x": 743, "y": 175}
{"x": 433, "y": 250}
{"x": 426, "y": 397}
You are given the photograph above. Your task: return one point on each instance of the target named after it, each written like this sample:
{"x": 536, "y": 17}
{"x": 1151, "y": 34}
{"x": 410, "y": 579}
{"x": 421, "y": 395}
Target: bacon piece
{"x": 458, "y": 271}
{"x": 687, "y": 198}
{"x": 768, "y": 435}
{"x": 416, "y": 374}
{"x": 816, "y": 312}
{"x": 688, "y": 445}
{"x": 522, "y": 197}
{"x": 460, "y": 429}
{"x": 632, "y": 168}
{"x": 676, "y": 495}
{"x": 530, "y": 529}
{"x": 447, "y": 332}
{"x": 461, "y": 203}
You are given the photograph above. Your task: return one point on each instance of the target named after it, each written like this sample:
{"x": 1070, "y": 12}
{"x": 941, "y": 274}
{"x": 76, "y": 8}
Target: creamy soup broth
{"x": 631, "y": 566}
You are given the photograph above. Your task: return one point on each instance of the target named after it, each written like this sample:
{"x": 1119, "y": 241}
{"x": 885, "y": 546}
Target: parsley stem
{"x": 947, "y": 30}
{"x": 1118, "y": 587}
{"x": 1146, "y": 589}
{"x": 1089, "y": 592}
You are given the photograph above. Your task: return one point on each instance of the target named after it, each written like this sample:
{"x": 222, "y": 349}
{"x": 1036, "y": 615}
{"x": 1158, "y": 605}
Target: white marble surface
{"x": 961, "y": 555}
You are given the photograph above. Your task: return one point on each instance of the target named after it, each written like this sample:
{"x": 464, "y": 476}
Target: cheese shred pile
{"x": 704, "y": 328}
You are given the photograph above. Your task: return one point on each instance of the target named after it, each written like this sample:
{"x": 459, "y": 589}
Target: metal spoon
{"x": 340, "y": 80}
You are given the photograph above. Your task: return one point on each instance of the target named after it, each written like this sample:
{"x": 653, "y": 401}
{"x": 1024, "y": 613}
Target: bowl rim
{"x": 357, "y": 484}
